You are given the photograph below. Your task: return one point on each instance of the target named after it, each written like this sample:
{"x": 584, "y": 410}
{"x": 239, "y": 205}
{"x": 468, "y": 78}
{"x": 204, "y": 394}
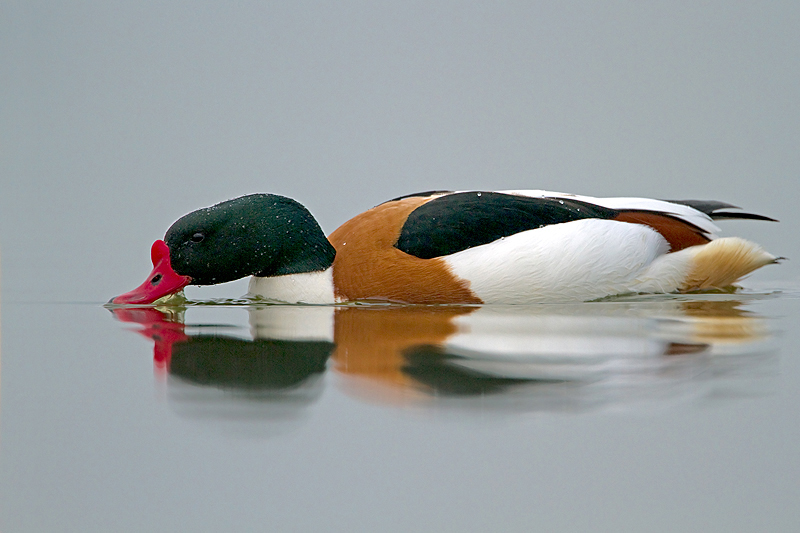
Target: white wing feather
{"x": 684, "y": 212}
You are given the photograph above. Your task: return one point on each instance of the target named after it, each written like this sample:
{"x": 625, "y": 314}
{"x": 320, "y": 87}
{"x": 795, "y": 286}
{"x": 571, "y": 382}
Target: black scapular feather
{"x": 460, "y": 221}
{"x": 713, "y": 210}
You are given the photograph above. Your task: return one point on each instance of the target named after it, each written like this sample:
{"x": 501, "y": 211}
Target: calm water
{"x": 657, "y": 414}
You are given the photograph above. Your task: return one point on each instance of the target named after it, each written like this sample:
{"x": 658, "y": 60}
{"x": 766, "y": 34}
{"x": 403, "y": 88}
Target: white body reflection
{"x": 597, "y": 340}
{"x": 292, "y": 322}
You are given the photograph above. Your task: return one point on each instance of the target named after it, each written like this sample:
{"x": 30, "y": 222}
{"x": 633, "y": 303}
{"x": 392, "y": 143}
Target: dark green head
{"x": 258, "y": 234}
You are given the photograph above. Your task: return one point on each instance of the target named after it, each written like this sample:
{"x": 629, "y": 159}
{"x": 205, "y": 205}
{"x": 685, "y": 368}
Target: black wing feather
{"x": 459, "y": 221}
{"x": 712, "y": 209}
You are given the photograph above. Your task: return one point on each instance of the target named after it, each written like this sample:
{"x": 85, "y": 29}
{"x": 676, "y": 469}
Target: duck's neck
{"x": 306, "y": 287}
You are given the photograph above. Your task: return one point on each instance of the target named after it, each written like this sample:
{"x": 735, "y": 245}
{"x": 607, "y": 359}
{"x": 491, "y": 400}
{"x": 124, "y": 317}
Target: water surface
{"x": 671, "y": 410}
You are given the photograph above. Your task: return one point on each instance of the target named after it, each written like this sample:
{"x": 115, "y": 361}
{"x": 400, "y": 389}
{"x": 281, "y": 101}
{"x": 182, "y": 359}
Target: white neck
{"x": 308, "y": 287}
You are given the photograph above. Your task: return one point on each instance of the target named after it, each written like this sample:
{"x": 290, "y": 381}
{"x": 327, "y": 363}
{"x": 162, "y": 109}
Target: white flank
{"x": 667, "y": 273}
{"x": 308, "y": 287}
{"x": 573, "y": 261}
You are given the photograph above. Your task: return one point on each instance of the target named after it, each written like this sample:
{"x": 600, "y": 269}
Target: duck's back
{"x": 524, "y": 247}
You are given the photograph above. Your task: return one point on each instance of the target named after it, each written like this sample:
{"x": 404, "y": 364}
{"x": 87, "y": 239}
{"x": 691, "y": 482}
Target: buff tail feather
{"x": 722, "y": 262}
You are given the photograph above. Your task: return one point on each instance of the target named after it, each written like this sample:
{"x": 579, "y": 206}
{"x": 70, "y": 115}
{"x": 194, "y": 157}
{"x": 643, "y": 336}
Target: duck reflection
{"x": 530, "y": 357}
{"x": 226, "y": 361}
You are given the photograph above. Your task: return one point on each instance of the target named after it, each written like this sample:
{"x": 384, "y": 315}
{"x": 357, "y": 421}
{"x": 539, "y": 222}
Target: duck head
{"x": 256, "y": 235}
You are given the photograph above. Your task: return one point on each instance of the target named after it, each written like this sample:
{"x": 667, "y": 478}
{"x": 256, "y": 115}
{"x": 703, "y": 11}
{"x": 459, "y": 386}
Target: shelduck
{"x": 443, "y": 247}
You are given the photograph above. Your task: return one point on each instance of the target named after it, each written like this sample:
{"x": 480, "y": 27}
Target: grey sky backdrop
{"x": 118, "y": 117}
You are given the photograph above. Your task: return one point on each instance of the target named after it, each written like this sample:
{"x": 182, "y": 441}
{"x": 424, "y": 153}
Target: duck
{"x": 455, "y": 247}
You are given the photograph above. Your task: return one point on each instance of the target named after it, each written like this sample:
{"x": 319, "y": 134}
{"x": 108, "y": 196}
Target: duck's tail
{"x": 722, "y": 262}
{"x": 715, "y": 265}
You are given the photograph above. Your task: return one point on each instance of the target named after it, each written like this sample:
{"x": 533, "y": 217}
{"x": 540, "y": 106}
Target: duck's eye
{"x": 198, "y": 237}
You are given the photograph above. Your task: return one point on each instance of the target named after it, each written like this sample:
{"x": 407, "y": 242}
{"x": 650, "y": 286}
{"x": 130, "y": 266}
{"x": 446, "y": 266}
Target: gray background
{"x": 116, "y": 118}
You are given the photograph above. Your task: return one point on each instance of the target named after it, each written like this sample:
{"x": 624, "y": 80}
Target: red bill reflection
{"x": 156, "y": 326}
